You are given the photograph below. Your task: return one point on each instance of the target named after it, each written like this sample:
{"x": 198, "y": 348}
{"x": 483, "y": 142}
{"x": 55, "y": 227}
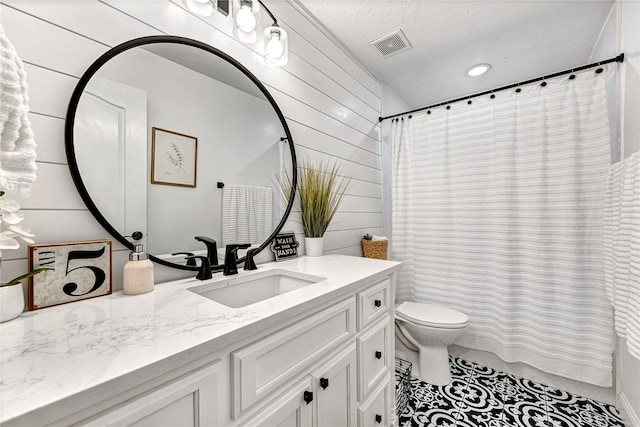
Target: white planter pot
{"x": 313, "y": 246}
{"x": 11, "y": 302}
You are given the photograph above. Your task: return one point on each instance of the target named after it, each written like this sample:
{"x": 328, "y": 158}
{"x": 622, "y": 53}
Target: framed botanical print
{"x": 174, "y": 158}
{"x": 76, "y": 271}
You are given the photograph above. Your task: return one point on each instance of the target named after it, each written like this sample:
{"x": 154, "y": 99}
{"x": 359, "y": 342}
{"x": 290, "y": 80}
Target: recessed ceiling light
{"x": 478, "y": 69}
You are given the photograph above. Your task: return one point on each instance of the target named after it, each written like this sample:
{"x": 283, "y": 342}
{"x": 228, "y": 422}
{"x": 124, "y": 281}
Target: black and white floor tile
{"x": 482, "y": 397}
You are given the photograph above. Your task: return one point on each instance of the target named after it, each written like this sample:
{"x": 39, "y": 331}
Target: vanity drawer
{"x": 374, "y": 355}
{"x": 373, "y": 302}
{"x": 262, "y": 367}
{"x": 375, "y": 410}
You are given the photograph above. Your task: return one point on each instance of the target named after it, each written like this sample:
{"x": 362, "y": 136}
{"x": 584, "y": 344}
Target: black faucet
{"x": 212, "y": 248}
{"x": 205, "y": 268}
{"x": 249, "y": 263}
{"x": 231, "y": 258}
{"x": 191, "y": 262}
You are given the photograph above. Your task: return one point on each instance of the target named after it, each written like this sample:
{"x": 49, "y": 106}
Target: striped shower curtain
{"x": 497, "y": 212}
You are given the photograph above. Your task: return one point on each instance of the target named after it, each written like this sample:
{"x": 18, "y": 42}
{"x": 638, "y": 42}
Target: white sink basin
{"x": 241, "y": 291}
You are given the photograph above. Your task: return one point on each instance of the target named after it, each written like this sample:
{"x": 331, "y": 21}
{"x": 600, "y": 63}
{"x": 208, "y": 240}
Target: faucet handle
{"x": 191, "y": 262}
{"x": 212, "y": 248}
{"x": 231, "y": 257}
{"x": 205, "y": 268}
{"x": 249, "y": 263}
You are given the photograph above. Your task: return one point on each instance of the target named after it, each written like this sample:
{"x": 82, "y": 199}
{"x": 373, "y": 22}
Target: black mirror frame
{"x": 70, "y": 141}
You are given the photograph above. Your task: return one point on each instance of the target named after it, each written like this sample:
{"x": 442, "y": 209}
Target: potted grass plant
{"x": 321, "y": 189}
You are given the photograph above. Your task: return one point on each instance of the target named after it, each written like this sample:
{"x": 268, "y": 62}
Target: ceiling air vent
{"x": 391, "y": 44}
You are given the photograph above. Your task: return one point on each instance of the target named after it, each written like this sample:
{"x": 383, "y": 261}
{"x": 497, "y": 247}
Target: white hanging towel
{"x": 621, "y": 248}
{"x": 246, "y": 214}
{"x": 17, "y": 145}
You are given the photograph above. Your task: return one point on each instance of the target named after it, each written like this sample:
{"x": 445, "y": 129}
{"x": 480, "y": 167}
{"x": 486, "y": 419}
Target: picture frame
{"x": 174, "y": 158}
{"x": 77, "y": 271}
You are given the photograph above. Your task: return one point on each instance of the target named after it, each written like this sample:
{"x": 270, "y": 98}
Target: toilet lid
{"x": 431, "y": 315}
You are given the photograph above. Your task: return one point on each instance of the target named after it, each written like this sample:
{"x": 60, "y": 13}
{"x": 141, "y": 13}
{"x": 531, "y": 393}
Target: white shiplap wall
{"x": 330, "y": 103}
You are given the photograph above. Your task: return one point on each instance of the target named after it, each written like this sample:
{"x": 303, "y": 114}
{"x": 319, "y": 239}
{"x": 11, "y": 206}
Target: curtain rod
{"x": 619, "y": 58}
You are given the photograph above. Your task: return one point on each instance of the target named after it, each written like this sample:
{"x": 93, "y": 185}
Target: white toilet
{"x": 424, "y": 333}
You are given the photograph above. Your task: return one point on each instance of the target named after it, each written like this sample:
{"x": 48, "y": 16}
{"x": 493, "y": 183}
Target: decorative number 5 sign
{"x": 77, "y": 271}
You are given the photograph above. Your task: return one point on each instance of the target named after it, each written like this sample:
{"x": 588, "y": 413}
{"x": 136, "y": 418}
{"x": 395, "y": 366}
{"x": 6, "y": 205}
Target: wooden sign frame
{"x": 77, "y": 271}
{"x": 285, "y": 246}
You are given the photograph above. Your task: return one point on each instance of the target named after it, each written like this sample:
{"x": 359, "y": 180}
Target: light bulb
{"x": 274, "y": 46}
{"x": 245, "y": 19}
{"x": 201, "y": 7}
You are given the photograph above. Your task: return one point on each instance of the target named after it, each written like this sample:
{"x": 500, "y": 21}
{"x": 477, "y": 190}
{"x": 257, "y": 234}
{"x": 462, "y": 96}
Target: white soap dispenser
{"x": 138, "y": 273}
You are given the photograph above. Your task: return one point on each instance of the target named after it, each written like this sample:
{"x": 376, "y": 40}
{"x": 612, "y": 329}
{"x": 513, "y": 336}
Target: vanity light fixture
{"x": 478, "y": 69}
{"x": 201, "y": 7}
{"x": 247, "y": 29}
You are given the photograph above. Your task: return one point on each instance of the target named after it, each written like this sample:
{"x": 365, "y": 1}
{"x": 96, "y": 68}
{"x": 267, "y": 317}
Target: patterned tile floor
{"x": 482, "y": 397}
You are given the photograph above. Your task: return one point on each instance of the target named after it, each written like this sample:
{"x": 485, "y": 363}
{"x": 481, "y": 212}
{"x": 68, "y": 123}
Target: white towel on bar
{"x": 17, "y": 145}
{"x": 621, "y": 248}
{"x": 247, "y": 214}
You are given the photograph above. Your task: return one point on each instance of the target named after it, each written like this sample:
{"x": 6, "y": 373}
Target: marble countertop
{"x": 52, "y": 354}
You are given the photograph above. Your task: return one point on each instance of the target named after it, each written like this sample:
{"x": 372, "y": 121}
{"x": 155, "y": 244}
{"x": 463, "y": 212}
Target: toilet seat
{"x": 431, "y": 315}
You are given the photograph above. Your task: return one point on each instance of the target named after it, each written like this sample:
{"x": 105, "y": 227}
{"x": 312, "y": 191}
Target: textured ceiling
{"x": 520, "y": 39}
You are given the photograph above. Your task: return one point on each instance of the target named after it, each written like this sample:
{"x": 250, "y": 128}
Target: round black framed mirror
{"x": 157, "y": 126}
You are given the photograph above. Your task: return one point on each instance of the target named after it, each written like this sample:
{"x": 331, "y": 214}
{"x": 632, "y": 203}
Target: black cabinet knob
{"x": 308, "y": 397}
{"x": 377, "y": 303}
{"x": 378, "y": 355}
{"x": 324, "y": 383}
{"x": 378, "y": 418}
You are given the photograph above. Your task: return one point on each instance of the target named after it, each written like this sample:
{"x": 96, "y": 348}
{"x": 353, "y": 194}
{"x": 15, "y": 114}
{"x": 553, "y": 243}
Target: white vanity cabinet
{"x": 324, "y": 370}
{"x": 321, "y": 357}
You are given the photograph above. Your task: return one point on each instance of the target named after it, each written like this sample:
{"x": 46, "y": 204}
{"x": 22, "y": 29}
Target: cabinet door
{"x": 191, "y": 400}
{"x": 293, "y": 409}
{"x": 335, "y": 384}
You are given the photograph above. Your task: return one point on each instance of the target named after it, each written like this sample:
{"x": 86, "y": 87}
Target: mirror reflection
{"x": 206, "y": 133}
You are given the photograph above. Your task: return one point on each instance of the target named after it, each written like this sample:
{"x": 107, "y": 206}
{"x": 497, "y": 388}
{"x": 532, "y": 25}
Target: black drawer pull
{"x": 378, "y": 355}
{"x": 308, "y": 397}
{"x": 378, "y": 418}
{"x": 377, "y": 303}
{"x": 324, "y": 383}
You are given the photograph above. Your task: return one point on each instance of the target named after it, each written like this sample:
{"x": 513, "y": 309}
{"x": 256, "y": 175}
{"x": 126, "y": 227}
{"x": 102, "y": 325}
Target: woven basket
{"x": 375, "y": 249}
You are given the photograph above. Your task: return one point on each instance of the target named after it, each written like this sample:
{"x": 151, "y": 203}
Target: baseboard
{"x": 628, "y": 413}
